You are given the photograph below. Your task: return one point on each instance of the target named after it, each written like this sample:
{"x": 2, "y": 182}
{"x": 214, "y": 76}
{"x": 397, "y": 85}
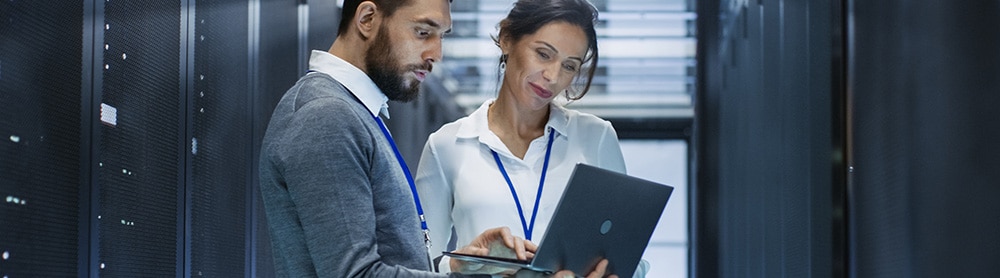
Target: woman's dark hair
{"x": 528, "y": 16}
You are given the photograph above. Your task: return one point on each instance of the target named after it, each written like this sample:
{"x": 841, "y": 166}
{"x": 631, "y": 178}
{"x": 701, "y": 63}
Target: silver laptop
{"x": 602, "y": 214}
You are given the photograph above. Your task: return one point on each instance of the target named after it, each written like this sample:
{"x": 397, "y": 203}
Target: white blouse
{"x": 460, "y": 185}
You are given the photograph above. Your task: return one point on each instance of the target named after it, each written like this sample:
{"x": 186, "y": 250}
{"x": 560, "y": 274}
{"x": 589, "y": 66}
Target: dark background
{"x": 845, "y": 138}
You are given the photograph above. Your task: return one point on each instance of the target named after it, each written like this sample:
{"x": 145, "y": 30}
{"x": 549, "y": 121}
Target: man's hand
{"x": 497, "y": 242}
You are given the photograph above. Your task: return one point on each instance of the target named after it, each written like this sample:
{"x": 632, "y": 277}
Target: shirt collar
{"x": 478, "y": 126}
{"x": 356, "y": 81}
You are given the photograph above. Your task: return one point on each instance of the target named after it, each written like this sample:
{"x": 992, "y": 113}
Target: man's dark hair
{"x": 528, "y": 16}
{"x": 388, "y": 7}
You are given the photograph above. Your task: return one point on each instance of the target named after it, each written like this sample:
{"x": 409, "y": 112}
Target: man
{"x": 334, "y": 190}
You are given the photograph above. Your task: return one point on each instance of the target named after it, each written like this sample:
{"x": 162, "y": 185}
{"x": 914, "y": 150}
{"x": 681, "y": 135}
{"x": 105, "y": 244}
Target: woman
{"x": 490, "y": 168}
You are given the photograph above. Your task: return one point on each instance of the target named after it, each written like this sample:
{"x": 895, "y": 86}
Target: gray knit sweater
{"x": 337, "y": 202}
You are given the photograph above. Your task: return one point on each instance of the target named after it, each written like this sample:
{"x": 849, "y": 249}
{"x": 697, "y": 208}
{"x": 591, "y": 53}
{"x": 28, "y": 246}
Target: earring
{"x": 503, "y": 64}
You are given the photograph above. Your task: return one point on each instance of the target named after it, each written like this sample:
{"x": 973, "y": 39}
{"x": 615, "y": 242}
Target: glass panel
{"x": 664, "y": 161}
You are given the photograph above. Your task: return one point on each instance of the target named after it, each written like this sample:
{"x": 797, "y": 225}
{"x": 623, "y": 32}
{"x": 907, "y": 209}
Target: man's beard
{"x": 385, "y": 70}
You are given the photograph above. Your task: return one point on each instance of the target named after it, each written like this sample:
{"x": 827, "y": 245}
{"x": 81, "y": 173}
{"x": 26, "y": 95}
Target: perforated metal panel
{"x": 324, "y": 18}
{"x": 220, "y": 143}
{"x": 767, "y": 140}
{"x": 278, "y": 69}
{"x": 40, "y": 84}
{"x": 170, "y": 124}
{"x": 139, "y": 152}
{"x": 925, "y": 93}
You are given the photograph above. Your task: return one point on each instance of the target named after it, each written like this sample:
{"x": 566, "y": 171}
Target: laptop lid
{"x": 601, "y": 214}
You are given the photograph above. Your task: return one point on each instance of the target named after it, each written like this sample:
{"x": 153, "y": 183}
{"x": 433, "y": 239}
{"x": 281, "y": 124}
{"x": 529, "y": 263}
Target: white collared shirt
{"x": 459, "y": 183}
{"x": 353, "y": 78}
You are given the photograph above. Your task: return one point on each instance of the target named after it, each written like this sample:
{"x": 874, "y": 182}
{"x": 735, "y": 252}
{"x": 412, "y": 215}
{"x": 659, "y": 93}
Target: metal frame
{"x": 253, "y": 16}
{"x": 184, "y": 190}
{"x": 92, "y": 15}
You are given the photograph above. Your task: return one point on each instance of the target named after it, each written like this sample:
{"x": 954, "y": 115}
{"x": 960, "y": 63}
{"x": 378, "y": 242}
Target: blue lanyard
{"x": 413, "y": 188}
{"x": 409, "y": 177}
{"x": 528, "y": 228}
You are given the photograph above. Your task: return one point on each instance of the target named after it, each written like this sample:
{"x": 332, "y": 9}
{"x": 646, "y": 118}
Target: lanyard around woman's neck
{"x": 528, "y": 227}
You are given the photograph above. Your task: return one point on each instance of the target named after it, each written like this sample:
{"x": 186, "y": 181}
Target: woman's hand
{"x": 496, "y": 242}
{"x": 599, "y": 272}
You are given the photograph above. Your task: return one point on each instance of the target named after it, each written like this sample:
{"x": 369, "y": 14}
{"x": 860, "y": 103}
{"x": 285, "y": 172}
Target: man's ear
{"x": 366, "y": 19}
